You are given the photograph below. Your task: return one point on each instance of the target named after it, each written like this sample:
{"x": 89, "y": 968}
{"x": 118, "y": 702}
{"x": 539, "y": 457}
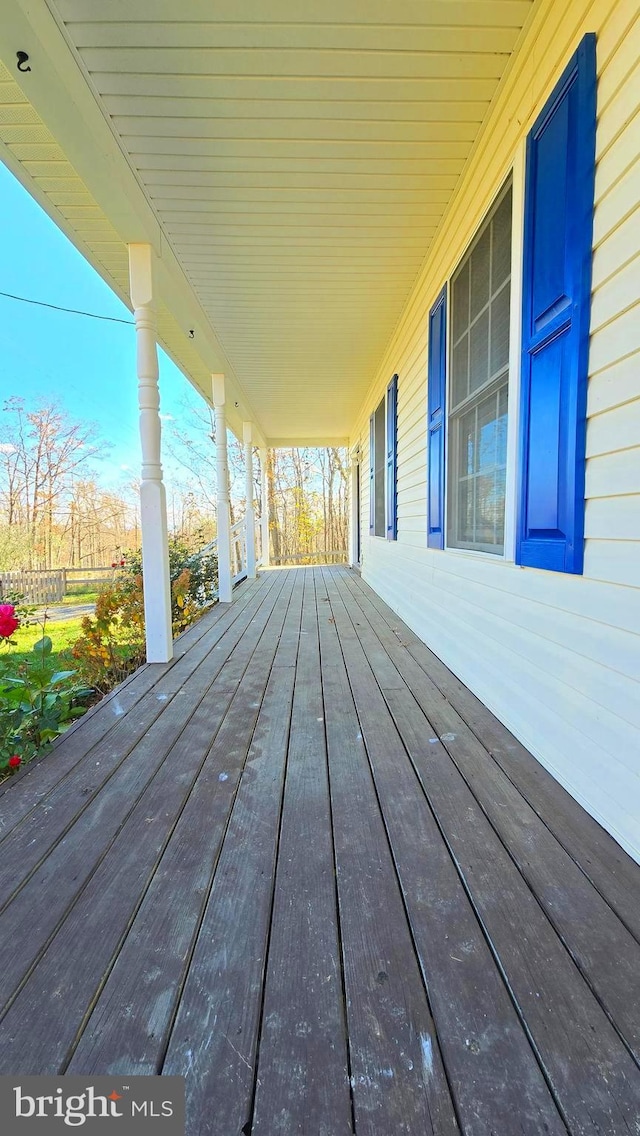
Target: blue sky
{"x": 87, "y": 365}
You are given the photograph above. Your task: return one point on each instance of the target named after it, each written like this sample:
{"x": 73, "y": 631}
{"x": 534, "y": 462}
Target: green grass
{"x": 80, "y": 593}
{"x": 63, "y": 634}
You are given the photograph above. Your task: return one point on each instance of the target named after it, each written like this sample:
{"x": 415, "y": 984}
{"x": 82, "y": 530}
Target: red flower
{"x": 15, "y": 761}
{"x": 113, "y": 564}
{"x": 122, "y": 563}
{"x": 8, "y": 621}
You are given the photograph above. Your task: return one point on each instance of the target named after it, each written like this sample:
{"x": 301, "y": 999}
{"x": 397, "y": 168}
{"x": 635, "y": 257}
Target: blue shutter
{"x": 436, "y": 421}
{"x": 558, "y": 231}
{"x": 392, "y": 460}
{"x": 372, "y": 475}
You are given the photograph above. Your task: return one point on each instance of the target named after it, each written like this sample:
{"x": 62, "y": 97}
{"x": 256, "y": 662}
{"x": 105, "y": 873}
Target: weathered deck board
{"x": 302, "y": 1083}
{"x": 313, "y": 874}
{"x": 397, "y": 1076}
{"x": 130, "y": 1026}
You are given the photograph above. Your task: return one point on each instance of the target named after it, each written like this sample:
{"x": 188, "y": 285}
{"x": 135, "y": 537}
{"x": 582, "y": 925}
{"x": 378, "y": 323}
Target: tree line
{"x": 56, "y": 512}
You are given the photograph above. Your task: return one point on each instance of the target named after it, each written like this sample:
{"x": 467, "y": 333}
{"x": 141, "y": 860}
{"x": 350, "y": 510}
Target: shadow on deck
{"x": 303, "y": 866}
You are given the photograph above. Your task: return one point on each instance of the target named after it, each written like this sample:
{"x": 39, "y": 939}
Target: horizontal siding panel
{"x": 605, "y": 663}
{"x": 541, "y": 668}
{"x": 615, "y": 385}
{"x": 617, "y": 160}
{"x": 609, "y": 604}
{"x": 614, "y": 118}
{"x": 614, "y": 474}
{"x": 614, "y": 430}
{"x": 618, "y": 338}
{"x": 621, "y": 246}
{"x": 611, "y": 560}
{"x": 620, "y": 63}
{"x": 620, "y": 293}
{"x": 613, "y": 518}
{"x": 621, "y": 200}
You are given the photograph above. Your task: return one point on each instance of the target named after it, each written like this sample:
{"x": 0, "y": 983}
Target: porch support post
{"x": 153, "y": 501}
{"x": 264, "y": 519}
{"x": 225, "y": 585}
{"x": 247, "y": 435}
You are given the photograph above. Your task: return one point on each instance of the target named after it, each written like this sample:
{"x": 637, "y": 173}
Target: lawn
{"x": 63, "y": 634}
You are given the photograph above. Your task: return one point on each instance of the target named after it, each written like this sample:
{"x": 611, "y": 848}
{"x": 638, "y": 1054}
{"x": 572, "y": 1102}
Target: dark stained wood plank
{"x": 302, "y": 1073}
{"x": 606, "y": 952}
{"x": 31, "y": 841}
{"x": 397, "y": 1076}
{"x": 214, "y": 1041}
{"x": 69, "y": 976}
{"x": 39, "y": 907}
{"x": 128, "y": 1031}
{"x": 40, "y": 777}
{"x": 604, "y": 862}
{"x": 592, "y": 1075}
{"x": 497, "y": 1082}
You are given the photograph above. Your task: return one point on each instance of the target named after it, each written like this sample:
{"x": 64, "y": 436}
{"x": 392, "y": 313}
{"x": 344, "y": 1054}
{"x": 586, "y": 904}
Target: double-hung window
{"x": 478, "y": 387}
{"x": 383, "y": 445}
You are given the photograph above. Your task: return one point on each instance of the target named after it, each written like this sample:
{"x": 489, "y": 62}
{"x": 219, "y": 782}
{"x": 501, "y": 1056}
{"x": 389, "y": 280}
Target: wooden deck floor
{"x": 306, "y": 868}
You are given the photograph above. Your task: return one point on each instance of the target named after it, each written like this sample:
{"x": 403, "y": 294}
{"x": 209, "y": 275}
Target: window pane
{"x": 460, "y": 302}
{"x": 479, "y": 354}
{"x": 480, "y": 273}
{"x": 501, "y": 253}
{"x": 500, "y": 330}
{"x": 460, "y": 371}
{"x": 480, "y": 445}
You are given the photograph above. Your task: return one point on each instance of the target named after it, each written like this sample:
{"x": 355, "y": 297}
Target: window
{"x": 377, "y": 461}
{"x": 383, "y": 465}
{"x": 478, "y": 387}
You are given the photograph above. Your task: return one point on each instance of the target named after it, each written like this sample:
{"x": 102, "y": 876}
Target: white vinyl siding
{"x": 555, "y": 656}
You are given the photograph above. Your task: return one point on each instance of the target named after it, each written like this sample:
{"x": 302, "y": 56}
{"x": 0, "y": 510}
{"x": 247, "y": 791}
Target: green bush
{"x": 38, "y": 701}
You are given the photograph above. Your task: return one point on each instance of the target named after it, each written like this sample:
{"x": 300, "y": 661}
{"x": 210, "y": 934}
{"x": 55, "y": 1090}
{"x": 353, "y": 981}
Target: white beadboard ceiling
{"x": 298, "y": 157}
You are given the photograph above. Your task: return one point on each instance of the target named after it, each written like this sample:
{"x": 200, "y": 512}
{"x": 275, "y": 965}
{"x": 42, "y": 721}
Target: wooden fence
{"x": 96, "y": 577}
{"x": 37, "y": 587}
{"x": 50, "y": 585}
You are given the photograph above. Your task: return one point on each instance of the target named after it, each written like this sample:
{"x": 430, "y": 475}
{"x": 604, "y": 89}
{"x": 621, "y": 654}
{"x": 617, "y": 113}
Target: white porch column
{"x": 247, "y": 436}
{"x": 264, "y": 519}
{"x": 153, "y": 502}
{"x": 225, "y": 585}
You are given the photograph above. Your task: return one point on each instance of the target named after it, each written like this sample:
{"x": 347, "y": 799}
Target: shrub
{"x": 37, "y": 700}
{"x": 112, "y": 643}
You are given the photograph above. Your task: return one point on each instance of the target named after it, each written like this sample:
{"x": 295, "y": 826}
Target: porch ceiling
{"x": 295, "y": 158}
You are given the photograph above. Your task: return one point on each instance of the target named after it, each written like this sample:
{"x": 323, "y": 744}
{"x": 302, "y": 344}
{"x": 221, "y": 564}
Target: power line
{"x": 71, "y": 311}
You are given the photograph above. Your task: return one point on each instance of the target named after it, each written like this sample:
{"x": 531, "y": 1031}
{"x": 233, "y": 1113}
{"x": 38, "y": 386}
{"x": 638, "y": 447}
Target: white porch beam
{"x": 225, "y": 585}
{"x": 264, "y": 519}
{"x": 250, "y": 519}
{"x": 153, "y": 501}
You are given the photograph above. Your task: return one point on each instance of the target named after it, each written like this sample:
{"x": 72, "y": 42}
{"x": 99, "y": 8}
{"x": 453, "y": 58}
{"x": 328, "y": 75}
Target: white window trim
{"x": 515, "y": 348}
